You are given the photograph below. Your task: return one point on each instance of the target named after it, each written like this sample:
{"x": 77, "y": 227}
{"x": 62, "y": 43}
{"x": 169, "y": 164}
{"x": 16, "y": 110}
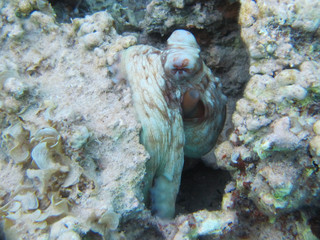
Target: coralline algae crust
{"x": 277, "y": 118}
{"x": 66, "y": 130}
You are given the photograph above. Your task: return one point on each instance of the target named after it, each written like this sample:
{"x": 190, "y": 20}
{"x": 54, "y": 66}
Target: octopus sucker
{"x": 181, "y": 109}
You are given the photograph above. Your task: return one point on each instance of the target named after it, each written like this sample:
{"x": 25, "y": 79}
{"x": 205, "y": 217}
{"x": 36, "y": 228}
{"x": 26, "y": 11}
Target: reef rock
{"x": 273, "y": 147}
{"x": 67, "y": 131}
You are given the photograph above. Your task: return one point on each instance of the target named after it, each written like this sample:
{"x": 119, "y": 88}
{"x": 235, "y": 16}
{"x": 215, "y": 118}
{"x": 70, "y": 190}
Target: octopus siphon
{"x": 180, "y": 106}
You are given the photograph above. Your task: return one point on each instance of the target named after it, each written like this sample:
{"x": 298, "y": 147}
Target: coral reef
{"x": 127, "y": 15}
{"x": 66, "y": 130}
{"x": 214, "y": 24}
{"x": 71, "y": 162}
{"x": 178, "y": 102}
{"x": 273, "y": 148}
{"x": 164, "y": 16}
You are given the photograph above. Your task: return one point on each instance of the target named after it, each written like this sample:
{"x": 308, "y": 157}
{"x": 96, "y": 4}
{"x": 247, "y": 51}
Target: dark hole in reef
{"x": 201, "y": 188}
{"x": 68, "y": 9}
{"x": 314, "y": 223}
{"x": 140, "y": 229}
{"x": 92, "y": 236}
{"x": 2, "y": 236}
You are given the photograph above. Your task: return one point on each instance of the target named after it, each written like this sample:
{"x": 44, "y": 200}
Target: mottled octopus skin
{"x": 181, "y": 109}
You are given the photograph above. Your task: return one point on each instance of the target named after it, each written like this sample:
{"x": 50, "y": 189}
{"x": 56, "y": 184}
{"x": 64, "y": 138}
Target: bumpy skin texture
{"x": 181, "y": 109}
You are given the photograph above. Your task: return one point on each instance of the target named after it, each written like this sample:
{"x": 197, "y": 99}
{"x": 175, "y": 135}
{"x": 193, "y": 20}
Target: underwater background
{"x": 72, "y": 165}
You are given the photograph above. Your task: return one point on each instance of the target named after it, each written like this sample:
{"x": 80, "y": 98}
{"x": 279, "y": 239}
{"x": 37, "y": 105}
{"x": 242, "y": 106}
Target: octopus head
{"x": 181, "y": 60}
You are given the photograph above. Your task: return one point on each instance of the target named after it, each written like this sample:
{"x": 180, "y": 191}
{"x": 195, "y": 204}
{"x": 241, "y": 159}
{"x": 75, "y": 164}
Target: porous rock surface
{"x": 273, "y": 148}
{"x": 55, "y": 78}
{"x": 60, "y": 108}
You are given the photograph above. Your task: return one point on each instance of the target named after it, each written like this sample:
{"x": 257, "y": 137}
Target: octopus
{"x": 181, "y": 108}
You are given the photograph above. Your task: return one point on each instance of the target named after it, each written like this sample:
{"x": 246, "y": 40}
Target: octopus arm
{"x": 162, "y": 127}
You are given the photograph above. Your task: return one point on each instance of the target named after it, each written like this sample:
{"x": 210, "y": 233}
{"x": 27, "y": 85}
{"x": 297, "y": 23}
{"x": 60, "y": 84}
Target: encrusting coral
{"x": 181, "y": 109}
{"x": 49, "y": 169}
{"x": 274, "y": 147}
